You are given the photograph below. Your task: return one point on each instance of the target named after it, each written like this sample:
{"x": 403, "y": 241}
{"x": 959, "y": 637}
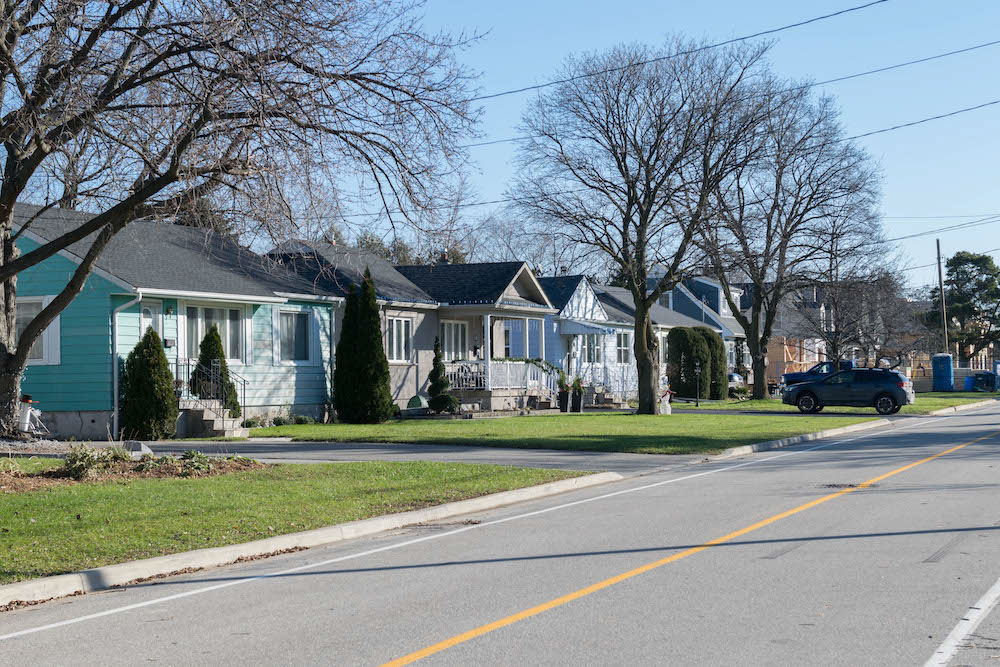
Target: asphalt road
{"x": 780, "y": 558}
{"x": 272, "y": 451}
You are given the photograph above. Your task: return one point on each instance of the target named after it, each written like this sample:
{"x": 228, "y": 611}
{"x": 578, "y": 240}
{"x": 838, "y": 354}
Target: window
{"x": 293, "y": 333}
{"x": 454, "y": 340}
{"x": 399, "y": 339}
{"x": 506, "y": 342}
{"x": 664, "y": 351}
{"x": 150, "y": 315}
{"x": 623, "y": 348}
{"x": 45, "y": 349}
{"x": 229, "y": 322}
{"x": 591, "y": 348}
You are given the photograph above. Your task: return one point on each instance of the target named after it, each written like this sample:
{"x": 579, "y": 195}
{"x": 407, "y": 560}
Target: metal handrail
{"x": 211, "y": 385}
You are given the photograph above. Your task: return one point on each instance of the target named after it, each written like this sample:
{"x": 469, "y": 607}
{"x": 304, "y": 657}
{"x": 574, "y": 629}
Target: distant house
{"x": 277, "y": 329}
{"x": 592, "y": 335}
{"x": 702, "y": 298}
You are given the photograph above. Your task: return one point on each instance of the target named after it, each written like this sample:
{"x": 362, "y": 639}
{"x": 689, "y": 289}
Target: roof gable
{"x": 464, "y": 284}
{"x": 620, "y": 306}
{"x": 574, "y": 297}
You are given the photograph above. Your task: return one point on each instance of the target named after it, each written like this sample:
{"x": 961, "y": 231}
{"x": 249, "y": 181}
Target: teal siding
{"x": 271, "y": 383}
{"x": 82, "y": 379}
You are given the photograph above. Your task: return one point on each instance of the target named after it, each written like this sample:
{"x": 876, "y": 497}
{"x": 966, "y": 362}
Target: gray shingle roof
{"x": 463, "y": 283}
{"x": 559, "y": 289}
{"x": 620, "y": 306}
{"x": 158, "y": 255}
{"x": 335, "y": 268}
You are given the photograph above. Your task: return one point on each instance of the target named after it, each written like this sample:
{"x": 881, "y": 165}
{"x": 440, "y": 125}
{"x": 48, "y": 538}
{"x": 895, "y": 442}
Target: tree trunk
{"x": 10, "y": 402}
{"x": 647, "y": 362}
{"x": 10, "y": 377}
{"x": 758, "y": 357}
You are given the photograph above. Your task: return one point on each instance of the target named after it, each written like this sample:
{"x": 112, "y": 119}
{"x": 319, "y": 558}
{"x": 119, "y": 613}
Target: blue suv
{"x": 884, "y": 389}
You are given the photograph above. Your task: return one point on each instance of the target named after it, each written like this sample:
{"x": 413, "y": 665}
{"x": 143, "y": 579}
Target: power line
{"x": 682, "y": 53}
{"x": 565, "y": 192}
{"x": 838, "y": 79}
{"x": 927, "y": 266}
{"x": 950, "y": 228}
{"x": 936, "y": 217}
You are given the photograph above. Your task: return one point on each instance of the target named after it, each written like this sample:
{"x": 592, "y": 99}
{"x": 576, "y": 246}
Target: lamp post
{"x": 697, "y": 389}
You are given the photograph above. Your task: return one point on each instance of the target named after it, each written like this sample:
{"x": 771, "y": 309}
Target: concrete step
{"x": 212, "y": 423}
{"x": 200, "y": 404}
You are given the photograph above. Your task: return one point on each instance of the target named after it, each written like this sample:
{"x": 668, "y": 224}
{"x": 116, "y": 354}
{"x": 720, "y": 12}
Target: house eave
{"x": 212, "y": 296}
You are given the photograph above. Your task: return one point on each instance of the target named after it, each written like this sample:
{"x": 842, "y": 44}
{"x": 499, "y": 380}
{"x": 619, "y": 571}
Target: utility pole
{"x": 944, "y": 308}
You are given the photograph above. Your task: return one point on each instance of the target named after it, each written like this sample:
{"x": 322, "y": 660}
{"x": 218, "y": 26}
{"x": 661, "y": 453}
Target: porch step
{"x": 213, "y": 404}
{"x": 544, "y": 405}
{"x": 213, "y": 423}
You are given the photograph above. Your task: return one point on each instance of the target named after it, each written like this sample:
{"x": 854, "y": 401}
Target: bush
{"x": 82, "y": 462}
{"x": 685, "y": 349}
{"x": 252, "y": 422}
{"x": 441, "y": 400}
{"x": 303, "y": 419}
{"x": 280, "y": 421}
{"x": 361, "y": 378}
{"x": 194, "y": 462}
{"x": 718, "y": 378}
{"x": 149, "y": 404}
{"x": 204, "y": 385}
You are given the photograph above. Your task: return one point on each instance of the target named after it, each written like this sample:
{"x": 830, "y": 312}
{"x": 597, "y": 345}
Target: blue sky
{"x": 946, "y": 167}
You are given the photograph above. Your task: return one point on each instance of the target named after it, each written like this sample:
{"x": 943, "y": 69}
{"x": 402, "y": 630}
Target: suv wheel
{"x": 807, "y": 403}
{"x": 885, "y": 404}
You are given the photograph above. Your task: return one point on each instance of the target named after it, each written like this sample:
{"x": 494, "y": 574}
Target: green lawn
{"x": 925, "y": 403}
{"x": 70, "y": 528}
{"x": 619, "y": 432}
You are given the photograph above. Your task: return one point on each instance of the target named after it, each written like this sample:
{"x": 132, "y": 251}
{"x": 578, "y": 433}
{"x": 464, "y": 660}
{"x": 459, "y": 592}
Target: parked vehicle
{"x": 883, "y": 389}
{"x": 817, "y": 372}
{"x": 735, "y": 380}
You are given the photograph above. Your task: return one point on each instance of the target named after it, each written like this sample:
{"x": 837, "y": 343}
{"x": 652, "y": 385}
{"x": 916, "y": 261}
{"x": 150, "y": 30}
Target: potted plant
{"x": 563, "y": 393}
{"x": 577, "y": 388}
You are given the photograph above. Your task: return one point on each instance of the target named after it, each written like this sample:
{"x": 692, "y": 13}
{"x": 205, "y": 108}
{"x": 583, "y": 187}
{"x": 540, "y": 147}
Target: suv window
{"x": 842, "y": 378}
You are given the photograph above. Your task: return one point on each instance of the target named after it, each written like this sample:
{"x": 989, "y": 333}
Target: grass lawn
{"x": 619, "y": 432}
{"x": 928, "y": 402}
{"x": 75, "y": 527}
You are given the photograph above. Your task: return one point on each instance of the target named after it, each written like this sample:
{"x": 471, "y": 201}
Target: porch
{"x": 493, "y": 359}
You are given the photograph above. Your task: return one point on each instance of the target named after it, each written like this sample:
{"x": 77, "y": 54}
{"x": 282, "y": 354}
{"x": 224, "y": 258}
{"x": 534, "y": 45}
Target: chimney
{"x": 563, "y": 270}
{"x": 443, "y": 259}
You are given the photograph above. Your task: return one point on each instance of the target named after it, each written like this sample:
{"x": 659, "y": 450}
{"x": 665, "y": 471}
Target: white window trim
{"x": 315, "y": 353}
{"x": 156, "y": 302}
{"x": 598, "y": 348}
{"x": 51, "y": 340}
{"x": 627, "y": 348}
{"x": 182, "y": 335}
{"x": 389, "y": 319}
{"x": 467, "y": 352}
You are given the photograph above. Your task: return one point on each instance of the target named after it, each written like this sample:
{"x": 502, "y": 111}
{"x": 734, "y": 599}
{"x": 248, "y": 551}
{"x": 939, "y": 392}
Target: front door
{"x": 151, "y": 316}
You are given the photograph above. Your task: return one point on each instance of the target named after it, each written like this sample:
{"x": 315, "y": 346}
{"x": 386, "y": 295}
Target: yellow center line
{"x": 593, "y": 588}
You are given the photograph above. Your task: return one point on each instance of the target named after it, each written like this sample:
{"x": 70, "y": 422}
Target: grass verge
{"x": 925, "y": 403}
{"x": 79, "y": 526}
{"x": 641, "y": 434}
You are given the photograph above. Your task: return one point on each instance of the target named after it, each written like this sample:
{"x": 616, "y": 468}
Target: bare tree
{"x": 624, "y": 157}
{"x": 782, "y": 213}
{"x": 149, "y": 104}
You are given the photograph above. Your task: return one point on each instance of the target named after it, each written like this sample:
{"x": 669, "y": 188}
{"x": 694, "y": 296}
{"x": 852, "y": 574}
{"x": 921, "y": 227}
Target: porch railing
{"x": 199, "y": 383}
{"x": 503, "y": 375}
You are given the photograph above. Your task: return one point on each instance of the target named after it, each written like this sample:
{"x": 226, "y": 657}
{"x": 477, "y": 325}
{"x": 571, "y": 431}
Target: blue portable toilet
{"x": 944, "y": 372}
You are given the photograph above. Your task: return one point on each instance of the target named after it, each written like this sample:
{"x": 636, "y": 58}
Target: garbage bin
{"x": 986, "y": 381}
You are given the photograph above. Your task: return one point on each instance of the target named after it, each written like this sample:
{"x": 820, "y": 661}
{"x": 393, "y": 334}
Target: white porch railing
{"x": 503, "y": 375}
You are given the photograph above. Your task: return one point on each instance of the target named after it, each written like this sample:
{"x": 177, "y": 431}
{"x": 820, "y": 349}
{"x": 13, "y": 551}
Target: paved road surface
{"x": 775, "y": 559}
{"x": 317, "y": 452}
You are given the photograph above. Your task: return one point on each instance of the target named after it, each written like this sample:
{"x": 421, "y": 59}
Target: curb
{"x": 60, "y": 585}
{"x": 960, "y": 408}
{"x": 796, "y": 439}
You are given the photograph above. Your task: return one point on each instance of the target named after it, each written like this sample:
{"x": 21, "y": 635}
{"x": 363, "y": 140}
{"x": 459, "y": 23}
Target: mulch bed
{"x": 13, "y": 480}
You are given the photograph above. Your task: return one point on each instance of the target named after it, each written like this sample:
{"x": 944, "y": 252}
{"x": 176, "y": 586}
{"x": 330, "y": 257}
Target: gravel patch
{"x": 33, "y": 447}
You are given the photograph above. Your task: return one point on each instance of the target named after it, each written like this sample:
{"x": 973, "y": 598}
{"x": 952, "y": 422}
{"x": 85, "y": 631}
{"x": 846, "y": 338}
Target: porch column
{"x": 541, "y": 327}
{"x": 487, "y": 352}
{"x": 524, "y": 323}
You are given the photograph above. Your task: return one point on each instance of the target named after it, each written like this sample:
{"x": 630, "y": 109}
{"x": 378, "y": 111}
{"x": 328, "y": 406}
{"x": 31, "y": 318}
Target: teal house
{"x": 276, "y": 326}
